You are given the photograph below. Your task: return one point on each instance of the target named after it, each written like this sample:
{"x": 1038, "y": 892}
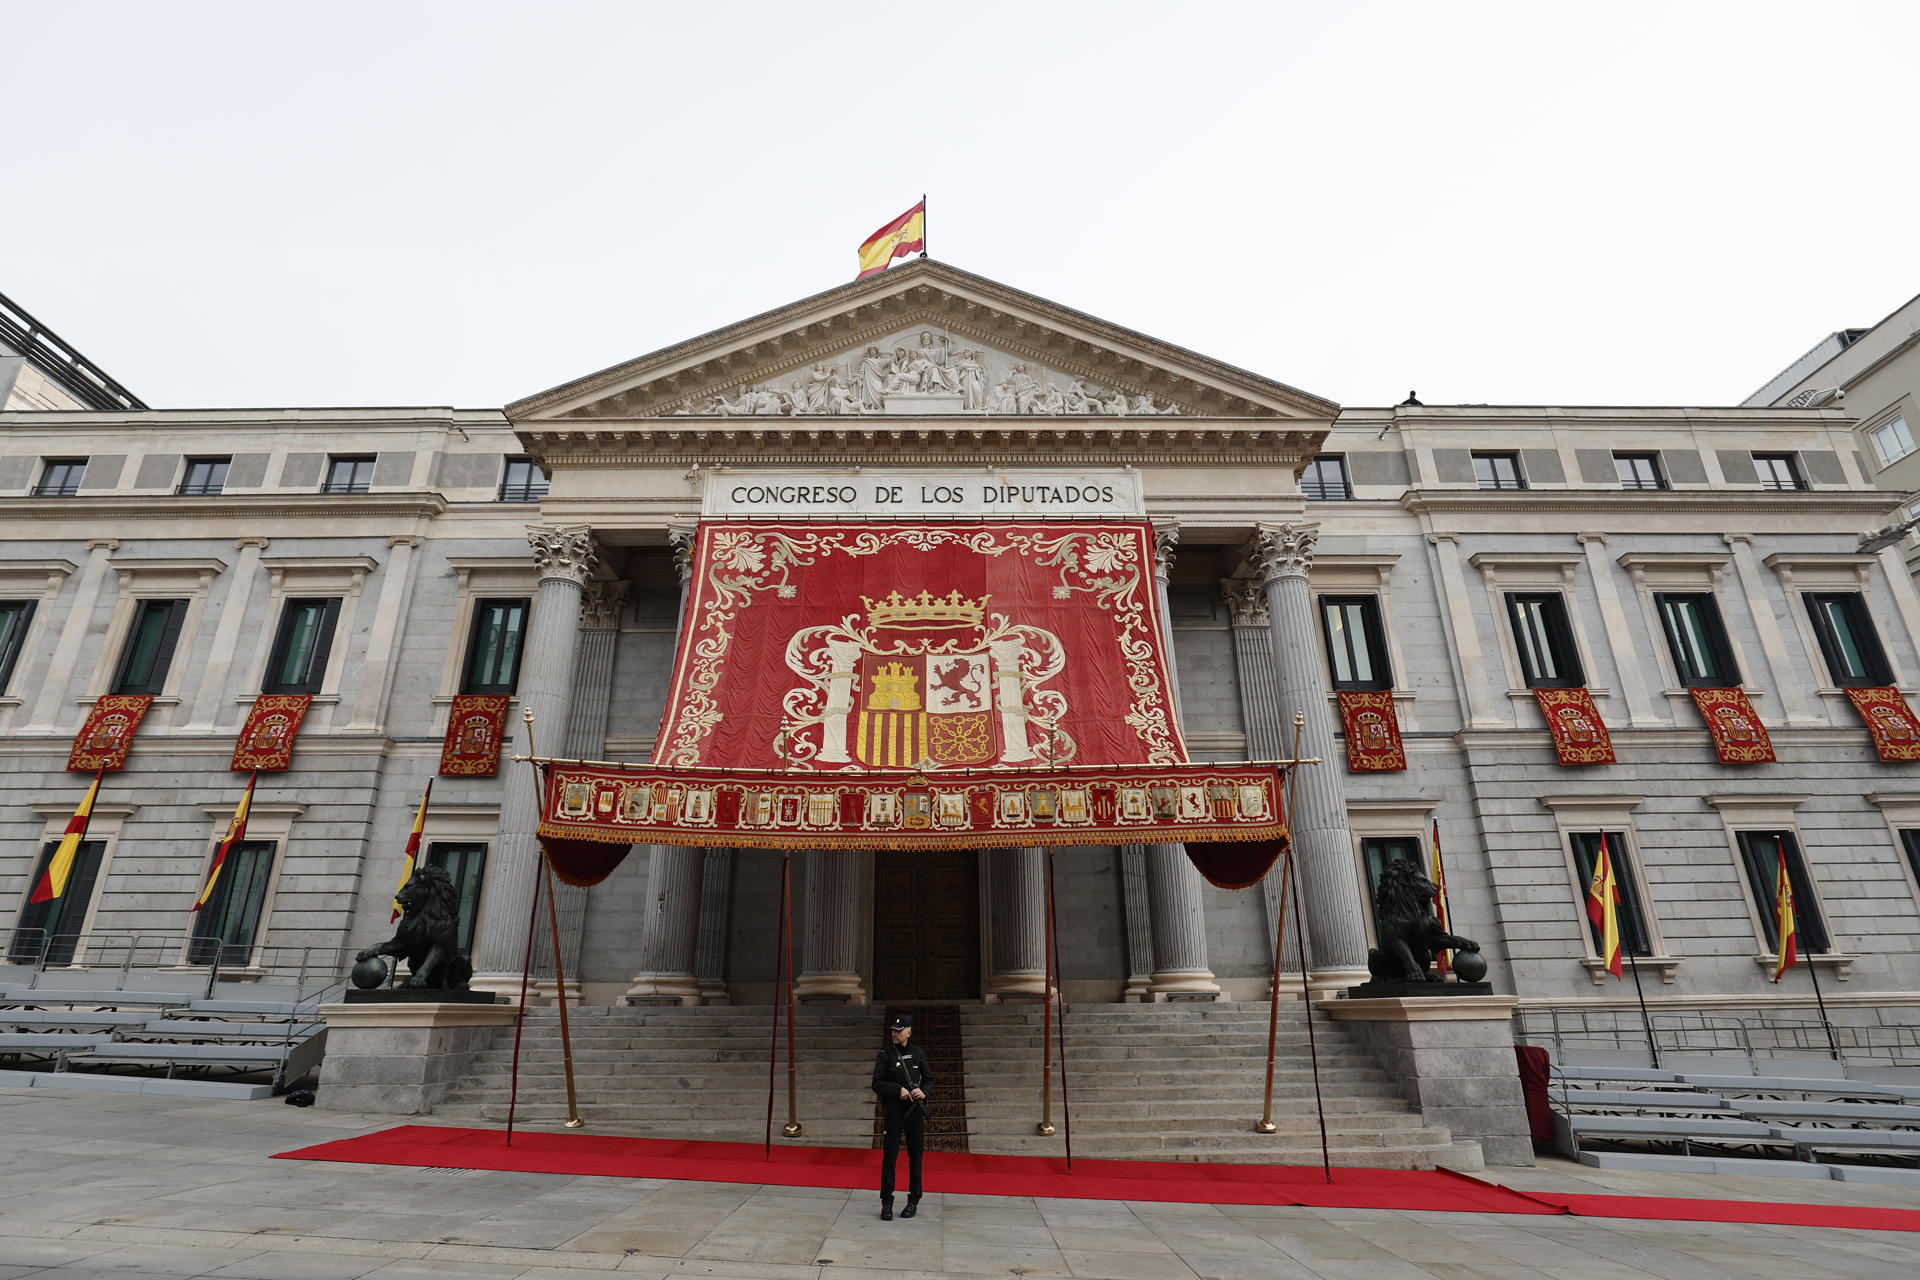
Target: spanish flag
{"x": 413, "y": 851}
{"x": 905, "y": 234}
{"x": 1444, "y": 961}
{"x": 60, "y": 866}
{"x": 1785, "y": 926}
{"x": 236, "y": 832}
{"x": 1603, "y": 908}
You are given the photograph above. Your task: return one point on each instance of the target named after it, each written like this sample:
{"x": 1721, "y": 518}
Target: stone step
{"x": 1464, "y": 1157}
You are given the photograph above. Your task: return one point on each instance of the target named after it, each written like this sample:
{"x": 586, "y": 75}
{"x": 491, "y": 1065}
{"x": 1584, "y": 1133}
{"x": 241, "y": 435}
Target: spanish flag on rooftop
{"x": 905, "y": 234}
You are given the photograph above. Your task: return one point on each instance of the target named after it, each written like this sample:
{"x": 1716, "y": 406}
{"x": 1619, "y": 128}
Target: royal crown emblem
{"x": 925, "y": 610}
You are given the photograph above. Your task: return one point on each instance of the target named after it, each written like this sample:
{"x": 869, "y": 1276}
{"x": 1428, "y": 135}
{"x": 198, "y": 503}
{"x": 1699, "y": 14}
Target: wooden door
{"x": 926, "y": 926}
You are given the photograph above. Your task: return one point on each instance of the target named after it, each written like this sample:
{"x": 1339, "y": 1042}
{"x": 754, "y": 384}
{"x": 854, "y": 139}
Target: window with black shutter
{"x": 230, "y": 922}
{"x": 15, "y": 617}
{"x": 55, "y": 924}
{"x": 1544, "y": 640}
{"x": 301, "y": 646}
{"x": 1325, "y": 479}
{"x": 493, "y": 646}
{"x": 1377, "y": 852}
{"x": 1760, "y": 854}
{"x": 1848, "y": 640}
{"x": 1635, "y": 938}
{"x": 1697, "y": 639}
{"x": 466, "y": 865}
{"x": 148, "y": 652}
{"x": 1356, "y": 642}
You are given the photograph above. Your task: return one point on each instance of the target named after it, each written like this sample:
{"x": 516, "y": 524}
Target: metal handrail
{"x": 1751, "y": 1034}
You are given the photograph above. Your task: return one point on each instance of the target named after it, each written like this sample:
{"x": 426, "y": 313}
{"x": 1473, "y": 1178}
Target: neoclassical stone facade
{"x": 1274, "y": 507}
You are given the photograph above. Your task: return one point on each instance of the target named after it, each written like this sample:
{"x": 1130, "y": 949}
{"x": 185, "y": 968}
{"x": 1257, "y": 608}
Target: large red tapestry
{"x": 958, "y": 808}
{"x": 1738, "y": 735}
{"x": 842, "y": 648}
{"x": 266, "y": 740}
{"x": 106, "y": 737}
{"x": 1896, "y": 734}
{"x": 1579, "y": 734}
{"x": 1372, "y": 730}
{"x": 476, "y": 724}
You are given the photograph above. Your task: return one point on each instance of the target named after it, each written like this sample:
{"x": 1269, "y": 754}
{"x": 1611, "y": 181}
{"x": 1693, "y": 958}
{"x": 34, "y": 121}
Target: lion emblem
{"x": 429, "y": 932}
{"x": 1410, "y": 934}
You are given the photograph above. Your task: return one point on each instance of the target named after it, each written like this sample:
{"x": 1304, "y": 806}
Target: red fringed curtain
{"x": 581, "y": 863}
{"x": 1232, "y": 865}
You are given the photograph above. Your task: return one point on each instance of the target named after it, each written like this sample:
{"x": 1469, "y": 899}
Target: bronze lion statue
{"x": 1410, "y": 933}
{"x": 429, "y": 934}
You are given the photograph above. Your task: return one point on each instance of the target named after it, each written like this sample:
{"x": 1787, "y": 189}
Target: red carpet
{"x": 1187, "y": 1182}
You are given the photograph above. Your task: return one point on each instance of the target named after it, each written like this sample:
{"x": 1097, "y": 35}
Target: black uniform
{"x": 894, "y": 1069}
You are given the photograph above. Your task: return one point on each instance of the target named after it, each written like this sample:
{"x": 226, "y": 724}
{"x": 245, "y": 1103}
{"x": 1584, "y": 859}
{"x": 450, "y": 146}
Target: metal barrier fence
{"x": 1751, "y": 1034}
{"x": 315, "y": 969}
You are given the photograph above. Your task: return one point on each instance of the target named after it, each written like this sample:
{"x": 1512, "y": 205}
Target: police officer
{"x": 900, "y": 1079}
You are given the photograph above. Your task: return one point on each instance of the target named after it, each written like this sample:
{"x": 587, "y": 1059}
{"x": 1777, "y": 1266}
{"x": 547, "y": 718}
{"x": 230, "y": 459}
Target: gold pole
{"x": 792, "y": 1128}
{"x": 1045, "y": 1127}
{"x": 553, "y": 922}
{"x": 1265, "y": 1124}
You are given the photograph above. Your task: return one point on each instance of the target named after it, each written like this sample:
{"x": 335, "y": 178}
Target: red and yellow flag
{"x": 60, "y": 866}
{"x": 1603, "y": 907}
{"x": 905, "y": 234}
{"x": 413, "y": 851}
{"x": 1785, "y": 926}
{"x": 1444, "y": 961}
{"x": 236, "y": 832}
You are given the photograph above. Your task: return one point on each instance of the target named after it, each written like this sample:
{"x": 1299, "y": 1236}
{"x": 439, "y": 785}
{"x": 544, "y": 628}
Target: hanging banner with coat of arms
{"x": 1896, "y": 733}
{"x": 266, "y": 740}
{"x": 1579, "y": 734}
{"x": 476, "y": 724}
{"x": 1738, "y": 735}
{"x": 1372, "y": 729}
{"x": 107, "y": 736}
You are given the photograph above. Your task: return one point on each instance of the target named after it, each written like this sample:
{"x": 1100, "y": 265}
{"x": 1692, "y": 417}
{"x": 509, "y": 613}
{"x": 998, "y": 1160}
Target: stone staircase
{"x": 1151, "y": 1082}
{"x": 1184, "y": 1081}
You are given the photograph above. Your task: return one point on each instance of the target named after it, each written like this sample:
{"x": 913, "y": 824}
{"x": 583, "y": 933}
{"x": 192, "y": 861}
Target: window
{"x": 349, "y": 475}
{"x": 230, "y": 922}
{"x": 1639, "y": 470}
{"x": 1325, "y": 479}
{"x": 56, "y": 923}
{"x": 1891, "y": 440}
{"x": 1498, "y": 471}
{"x": 1377, "y": 852}
{"x": 300, "y": 648}
{"x": 1847, "y": 639}
{"x": 466, "y": 865}
{"x": 1634, "y": 938}
{"x": 1356, "y": 644}
{"x": 1778, "y": 471}
{"x": 149, "y": 649}
{"x": 60, "y": 478}
{"x": 1697, "y": 638}
{"x": 493, "y": 649}
{"x": 1760, "y": 853}
{"x": 523, "y": 482}
{"x": 1910, "y": 845}
{"x": 1544, "y": 641}
{"x": 15, "y": 617}
{"x": 204, "y": 478}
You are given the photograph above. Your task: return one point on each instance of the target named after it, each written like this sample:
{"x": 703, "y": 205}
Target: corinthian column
{"x": 837, "y": 881}
{"x": 1269, "y": 736}
{"x": 1016, "y": 924}
{"x": 1323, "y": 846}
{"x": 1176, "y": 909}
{"x": 566, "y": 560}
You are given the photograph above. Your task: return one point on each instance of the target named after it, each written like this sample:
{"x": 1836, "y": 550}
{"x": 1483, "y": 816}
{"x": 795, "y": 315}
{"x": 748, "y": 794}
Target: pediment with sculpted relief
{"x": 923, "y": 339}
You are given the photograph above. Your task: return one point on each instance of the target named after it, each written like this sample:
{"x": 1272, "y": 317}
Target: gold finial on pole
{"x": 1265, "y": 1123}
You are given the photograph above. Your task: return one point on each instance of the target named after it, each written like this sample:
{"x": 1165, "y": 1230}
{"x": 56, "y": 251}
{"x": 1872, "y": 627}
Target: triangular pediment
{"x": 922, "y": 339}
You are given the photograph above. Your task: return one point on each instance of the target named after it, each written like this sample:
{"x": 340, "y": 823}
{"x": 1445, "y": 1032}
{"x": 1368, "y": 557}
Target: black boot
{"x": 913, "y": 1207}
{"x": 886, "y": 1211}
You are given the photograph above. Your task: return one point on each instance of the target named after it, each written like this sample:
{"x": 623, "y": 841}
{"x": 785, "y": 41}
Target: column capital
{"x": 1246, "y": 600}
{"x": 103, "y": 544}
{"x": 1437, "y": 538}
{"x": 563, "y": 552}
{"x": 241, "y": 544}
{"x": 1166, "y": 537}
{"x": 1284, "y": 550}
{"x": 1584, "y": 538}
{"x": 1737, "y": 539}
{"x": 680, "y": 538}
{"x": 601, "y": 603}
{"x": 411, "y": 540}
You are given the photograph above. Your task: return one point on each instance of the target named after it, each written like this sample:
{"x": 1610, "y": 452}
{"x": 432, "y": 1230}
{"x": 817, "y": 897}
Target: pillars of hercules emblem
{"x": 1016, "y": 924}
{"x": 840, "y": 681}
{"x": 1176, "y": 909}
{"x": 830, "y": 935}
{"x": 1323, "y": 845}
{"x": 566, "y": 560}
{"x": 1269, "y": 737}
{"x": 670, "y": 923}
{"x": 1010, "y": 692}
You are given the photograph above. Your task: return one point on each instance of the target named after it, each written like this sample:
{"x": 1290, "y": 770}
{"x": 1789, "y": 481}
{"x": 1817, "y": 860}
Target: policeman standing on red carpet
{"x": 901, "y": 1081}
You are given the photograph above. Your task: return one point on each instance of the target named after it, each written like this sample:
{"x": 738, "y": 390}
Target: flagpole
{"x": 1306, "y": 984}
{"x": 923, "y": 224}
{"x": 540, "y": 794}
{"x": 773, "y": 1039}
{"x": 1833, "y": 1042}
{"x": 1443, "y": 960}
{"x": 1633, "y": 963}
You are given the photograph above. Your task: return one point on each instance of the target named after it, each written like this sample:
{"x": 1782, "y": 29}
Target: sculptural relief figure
{"x": 900, "y": 372}
{"x": 972, "y": 373}
{"x": 841, "y": 401}
{"x": 818, "y": 390}
{"x": 871, "y": 382}
{"x": 932, "y": 367}
{"x": 1015, "y": 392}
{"x": 1115, "y": 404}
{"x": 1049, "y": 399}
{"x": 1081, "y": 398}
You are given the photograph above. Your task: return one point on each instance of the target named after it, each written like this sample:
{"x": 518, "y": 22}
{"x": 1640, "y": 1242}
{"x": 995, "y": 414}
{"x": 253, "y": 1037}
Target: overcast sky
{"x": 392, "y": 203}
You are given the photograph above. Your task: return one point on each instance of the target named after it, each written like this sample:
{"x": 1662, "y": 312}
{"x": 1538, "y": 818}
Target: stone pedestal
{"x": 1453, "y": 1057}
{"x": 402, "y": 1059}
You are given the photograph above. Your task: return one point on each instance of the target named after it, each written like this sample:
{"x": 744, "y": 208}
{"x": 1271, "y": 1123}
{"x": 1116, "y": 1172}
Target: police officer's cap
{"x": 901, "y": 1021}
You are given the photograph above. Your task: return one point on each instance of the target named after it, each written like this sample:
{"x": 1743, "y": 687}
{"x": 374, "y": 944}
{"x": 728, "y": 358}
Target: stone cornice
{"x": 228, "y": 506}
{"x": 1768, "y": 502}
{"x": 789, "y": 336}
